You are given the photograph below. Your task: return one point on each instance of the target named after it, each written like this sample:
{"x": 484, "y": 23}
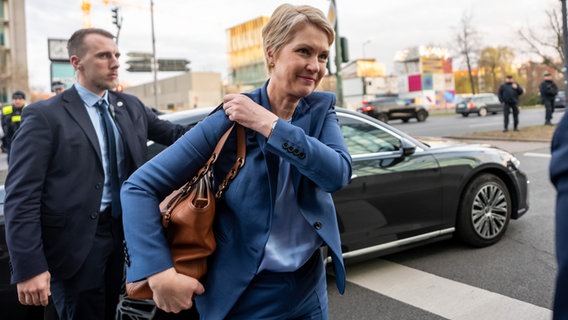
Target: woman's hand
{"x": 241, "y": 109}
{"x": 172, "y": 291}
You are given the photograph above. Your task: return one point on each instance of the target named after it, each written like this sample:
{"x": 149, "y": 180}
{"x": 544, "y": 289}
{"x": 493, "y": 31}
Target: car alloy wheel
{"x": 482, "y": 112}
{"x": 484, "y": 212}
{"x": 421, "y": 116}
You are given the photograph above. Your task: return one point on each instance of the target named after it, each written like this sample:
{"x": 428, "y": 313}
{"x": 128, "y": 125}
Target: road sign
{"x": 173, "y": 64}
{"x": 142, "y": 65}
{"x": 139, "y": 55}
{"x": 142, "y": 62}
{"x": 64, "y": 72}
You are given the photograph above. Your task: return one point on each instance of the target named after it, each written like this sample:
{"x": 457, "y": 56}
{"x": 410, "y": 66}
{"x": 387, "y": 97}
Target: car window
{"x": 364, "y": 138}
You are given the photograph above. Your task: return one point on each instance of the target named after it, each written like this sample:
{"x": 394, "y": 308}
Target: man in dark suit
{"x": 559, "y": 178}
{"x": 63, "y": 223}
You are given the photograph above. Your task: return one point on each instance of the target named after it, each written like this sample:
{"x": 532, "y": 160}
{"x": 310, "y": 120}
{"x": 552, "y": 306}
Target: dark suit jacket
{"x": 55, "y": 179}
{"x": 321, "y": 164}
{"x": 559, "y": 177}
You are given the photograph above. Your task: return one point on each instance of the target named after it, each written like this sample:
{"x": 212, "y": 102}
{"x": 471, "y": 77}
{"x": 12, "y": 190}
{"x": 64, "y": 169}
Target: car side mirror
{"x": 408, "y": 148}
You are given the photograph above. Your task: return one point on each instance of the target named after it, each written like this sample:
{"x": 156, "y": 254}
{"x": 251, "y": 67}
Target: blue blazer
{"x": 54, "y": 185}
{"x": 559, "y": 177}
{"x": 321, "y": 164}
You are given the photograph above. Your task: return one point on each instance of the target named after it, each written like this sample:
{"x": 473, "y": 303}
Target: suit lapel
{"x": 75, "y": 107}
{"x": 124, "y": 124}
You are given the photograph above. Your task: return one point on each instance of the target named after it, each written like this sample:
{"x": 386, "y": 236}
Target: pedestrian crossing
{"x": 446, "y": 298}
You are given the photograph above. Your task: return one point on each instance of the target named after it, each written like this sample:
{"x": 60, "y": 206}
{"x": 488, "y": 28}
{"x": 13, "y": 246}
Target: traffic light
{"x": 344, "y": 49}
{"x": 115, "y": 19}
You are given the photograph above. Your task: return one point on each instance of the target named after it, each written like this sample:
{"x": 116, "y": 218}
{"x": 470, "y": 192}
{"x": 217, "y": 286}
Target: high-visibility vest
{"x": 15, "y": 114}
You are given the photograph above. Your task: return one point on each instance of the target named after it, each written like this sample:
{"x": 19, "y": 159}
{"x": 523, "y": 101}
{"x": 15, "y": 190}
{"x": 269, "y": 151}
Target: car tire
{"x": 383, "y": 117}
{"x": 465, "y": 115}
{"x": 485, "y": 211}
{"x": 482, "y": 112}
{"x": 421, "y": 116}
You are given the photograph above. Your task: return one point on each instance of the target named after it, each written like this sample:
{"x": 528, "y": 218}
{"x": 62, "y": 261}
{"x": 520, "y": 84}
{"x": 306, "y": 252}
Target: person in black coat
{"x": 548, "y": 91}
{"x": 509, "y": 93}
{"x": 63, "y": 227}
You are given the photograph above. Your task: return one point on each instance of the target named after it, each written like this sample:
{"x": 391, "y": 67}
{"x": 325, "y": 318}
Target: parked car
{"x": 405, "y": 192}
{"x": 480, "y": 104}
{"x": 560, "y": 100}
{"x": 392, "y": 108}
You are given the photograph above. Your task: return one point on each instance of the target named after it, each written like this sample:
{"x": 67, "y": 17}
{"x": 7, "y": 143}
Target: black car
{"x": 480, "y": 104}
{"x": 406, "y": 192}
{"x": 392, "y": 108}
{"x": 560, "y": 100}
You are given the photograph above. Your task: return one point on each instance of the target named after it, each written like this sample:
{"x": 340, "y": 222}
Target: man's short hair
{"x": 57, "y": 85}
{"x": 19, "y": 95}
{"x": 76, "y": 44}
{"x": 509, "y": 76}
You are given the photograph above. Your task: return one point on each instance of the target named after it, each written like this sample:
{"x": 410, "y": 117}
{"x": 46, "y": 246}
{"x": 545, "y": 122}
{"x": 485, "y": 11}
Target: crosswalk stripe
{"x": 446, "y": 298}
{"x": 538, "y": 155}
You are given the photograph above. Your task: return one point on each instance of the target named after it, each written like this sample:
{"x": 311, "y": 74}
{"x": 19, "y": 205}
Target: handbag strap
{"x": 239, "y": 163}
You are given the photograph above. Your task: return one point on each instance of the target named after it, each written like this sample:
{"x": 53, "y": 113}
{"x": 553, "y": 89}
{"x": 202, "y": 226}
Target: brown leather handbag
{"x": 187, "y": 218}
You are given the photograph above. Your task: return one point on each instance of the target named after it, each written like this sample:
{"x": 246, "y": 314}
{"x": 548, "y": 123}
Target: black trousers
{"x": 548, "y": 109}
{"x": 94, "y": 291}
{"x": 511, "y": 108}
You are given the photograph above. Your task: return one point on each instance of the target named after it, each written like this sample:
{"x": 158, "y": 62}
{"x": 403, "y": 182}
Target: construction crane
{"x": 86, "y": 8}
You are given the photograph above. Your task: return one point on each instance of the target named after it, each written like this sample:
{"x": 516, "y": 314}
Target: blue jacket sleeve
{"x": 142, "y": 192}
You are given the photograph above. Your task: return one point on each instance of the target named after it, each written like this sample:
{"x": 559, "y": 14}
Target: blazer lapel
{"x": 124, "y": 124}
{"x": 75, "y": 107}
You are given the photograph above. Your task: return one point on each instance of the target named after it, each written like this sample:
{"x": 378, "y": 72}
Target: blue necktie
{"x": 112, "y": 157}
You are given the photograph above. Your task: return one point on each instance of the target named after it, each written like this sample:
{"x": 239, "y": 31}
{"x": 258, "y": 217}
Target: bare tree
{"x": 467, "y": 40}
{"x": 495, "y": 63}
{"x": 548, "y": 43}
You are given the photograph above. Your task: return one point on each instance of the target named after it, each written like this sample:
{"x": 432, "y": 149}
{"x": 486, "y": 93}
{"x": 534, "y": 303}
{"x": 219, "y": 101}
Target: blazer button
{"x": 302, "y": 155}
{"x": 291, "y": 149}
{"x": 94, "y": 215}
{"x": 285, "y": 145}
{"x": 317, "y": 225}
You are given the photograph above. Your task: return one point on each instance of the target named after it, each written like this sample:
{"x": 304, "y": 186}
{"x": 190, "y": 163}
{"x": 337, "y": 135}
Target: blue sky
{"x": 196, "y": 29}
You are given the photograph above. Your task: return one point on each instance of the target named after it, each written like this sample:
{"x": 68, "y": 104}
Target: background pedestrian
{"x": 509, "y": 93}
{"x": 548, "y": 91}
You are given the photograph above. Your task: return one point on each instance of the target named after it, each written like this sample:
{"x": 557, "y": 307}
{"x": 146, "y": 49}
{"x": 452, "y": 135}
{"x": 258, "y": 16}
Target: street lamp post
{"x": 363, "y": 47}
{"x": 154, "y": 60}
{"x": 565, "y": 44}
{"x": 338, "y": 72}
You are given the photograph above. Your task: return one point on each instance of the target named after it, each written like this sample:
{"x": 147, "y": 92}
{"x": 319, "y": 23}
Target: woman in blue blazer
{"x": 278, "y": 211}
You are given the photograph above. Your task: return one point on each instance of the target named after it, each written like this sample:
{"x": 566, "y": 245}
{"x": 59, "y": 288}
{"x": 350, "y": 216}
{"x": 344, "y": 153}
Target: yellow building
{"x": 246, "y": 58}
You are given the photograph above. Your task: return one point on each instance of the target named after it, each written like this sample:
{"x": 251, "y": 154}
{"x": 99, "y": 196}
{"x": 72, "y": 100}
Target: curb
{"x": 497, "y": 139}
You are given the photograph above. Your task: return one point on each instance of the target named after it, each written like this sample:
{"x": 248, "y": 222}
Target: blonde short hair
{"x": 288, "y": 19}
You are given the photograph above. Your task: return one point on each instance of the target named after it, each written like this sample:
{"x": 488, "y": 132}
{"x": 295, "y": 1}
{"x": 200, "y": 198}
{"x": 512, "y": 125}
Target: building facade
{"x": 13, "y": 50}
{"x": 425, "y": 75}
{"x": 247, "y": 68}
